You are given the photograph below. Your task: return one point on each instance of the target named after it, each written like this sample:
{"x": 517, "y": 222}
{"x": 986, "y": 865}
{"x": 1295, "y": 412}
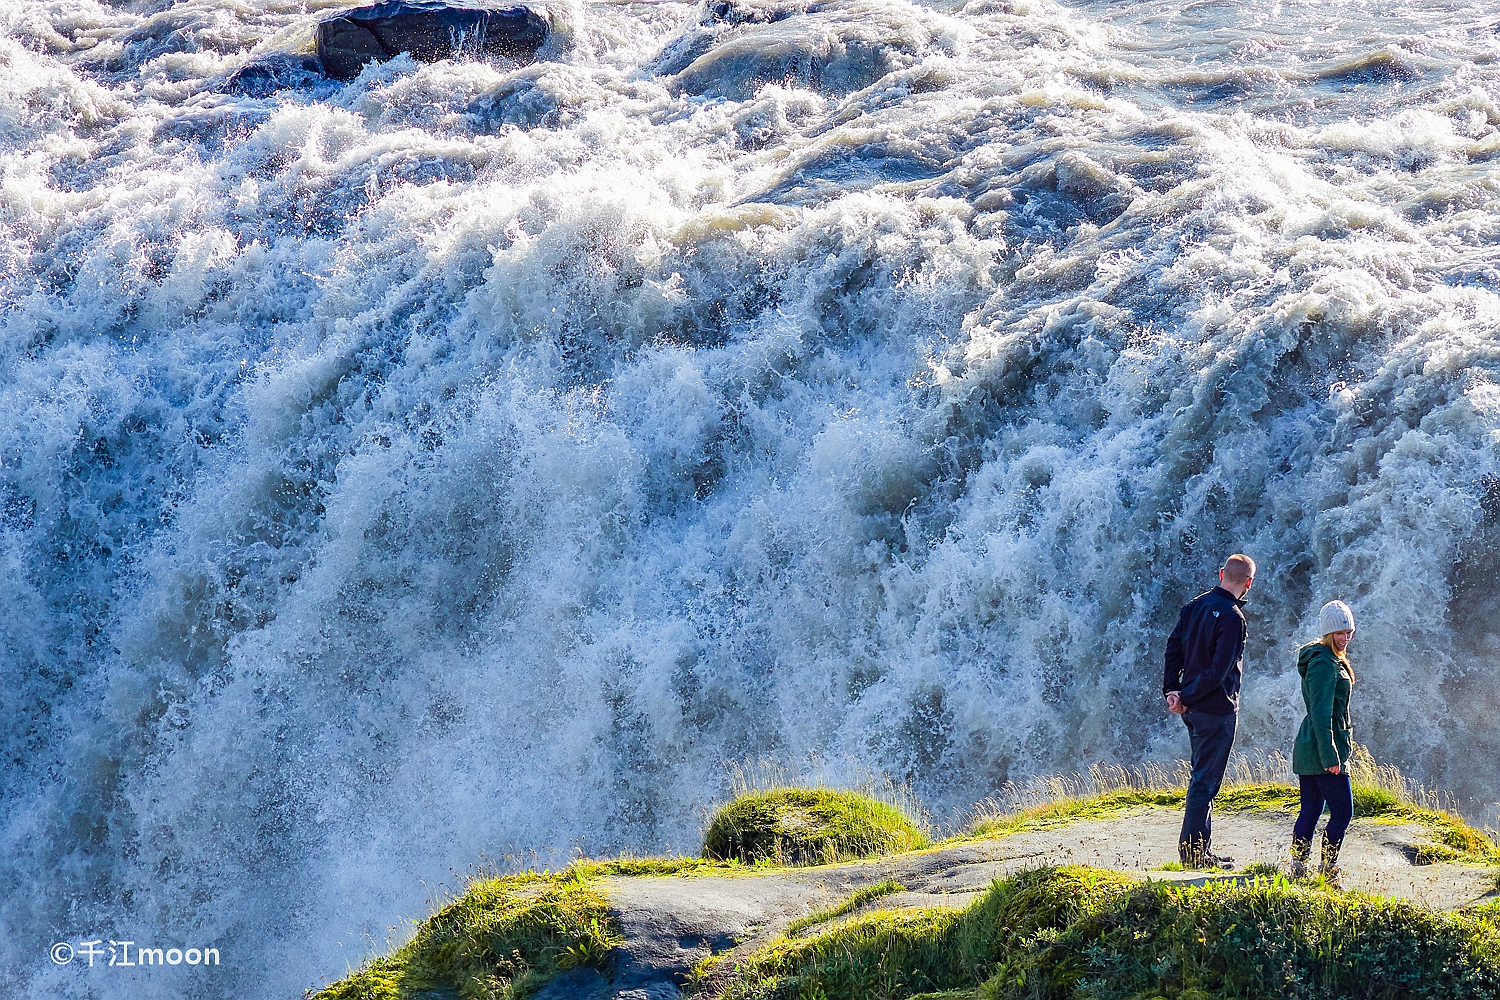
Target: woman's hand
{"x": 1332, "y": 770}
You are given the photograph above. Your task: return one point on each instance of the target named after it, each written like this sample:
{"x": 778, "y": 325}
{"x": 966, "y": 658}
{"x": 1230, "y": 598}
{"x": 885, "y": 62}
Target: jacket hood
{"x": 1311, "y": 652}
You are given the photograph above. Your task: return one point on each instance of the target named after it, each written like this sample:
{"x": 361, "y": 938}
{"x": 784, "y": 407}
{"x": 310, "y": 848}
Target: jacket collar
{"x": 1239, "y": 602}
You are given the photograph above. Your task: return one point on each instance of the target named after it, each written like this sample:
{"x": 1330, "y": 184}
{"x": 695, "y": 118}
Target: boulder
{"x": 264, "y": 77}
{"x": 428, "y": 29}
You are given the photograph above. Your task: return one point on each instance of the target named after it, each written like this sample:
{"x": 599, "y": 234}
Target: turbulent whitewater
{"x": 473, "y": 461}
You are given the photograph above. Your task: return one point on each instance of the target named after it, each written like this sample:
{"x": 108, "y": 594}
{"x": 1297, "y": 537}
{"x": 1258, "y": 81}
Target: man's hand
{"x": 1332, "y": 770}
{"x": 1174, "y": 702}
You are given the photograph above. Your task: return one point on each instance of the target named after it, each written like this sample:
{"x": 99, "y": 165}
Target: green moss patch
{"x": 1082, "y": 933}
{"x": 808, "y": 826}
{"x": 1264, "y": 941}
{"x": 501, "y": 940}
{"x": 504, "y": 938}
{"x": 899, "y": 953}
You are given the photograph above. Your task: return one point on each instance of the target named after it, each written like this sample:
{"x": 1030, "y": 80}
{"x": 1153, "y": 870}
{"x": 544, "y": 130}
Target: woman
{"x": 1321, "y": 755}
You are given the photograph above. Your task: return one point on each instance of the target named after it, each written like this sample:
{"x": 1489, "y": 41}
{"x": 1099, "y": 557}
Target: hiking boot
{"x": 1301, "y": 851}
{"x": 1328, "y": 866}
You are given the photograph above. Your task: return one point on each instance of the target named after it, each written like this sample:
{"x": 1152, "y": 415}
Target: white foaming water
{"x": 475, "y": 459}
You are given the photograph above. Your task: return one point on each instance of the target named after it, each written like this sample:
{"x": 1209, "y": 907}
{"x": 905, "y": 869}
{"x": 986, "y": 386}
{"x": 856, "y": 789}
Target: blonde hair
{"x": 1341, "y": 655}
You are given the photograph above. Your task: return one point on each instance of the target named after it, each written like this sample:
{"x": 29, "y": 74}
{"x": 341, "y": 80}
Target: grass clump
{"x": 1260, "y": 782}
{"x": 859, "y": 897}
{"x": 1264, "y": 941}
{"x": 504, "y": 938}
{"x": 1382, "y": 791}
{"x": 901, "y": 953}
{"x": 808, "y": 826}
{"x": 1082, "y": 933}
{"x": 501, "y": 940}
{"x": 589, "y": 868}
{"x": 1105, "y": 789}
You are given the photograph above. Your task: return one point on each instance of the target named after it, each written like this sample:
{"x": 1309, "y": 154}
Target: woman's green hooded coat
{"x": 1326, "y": 735}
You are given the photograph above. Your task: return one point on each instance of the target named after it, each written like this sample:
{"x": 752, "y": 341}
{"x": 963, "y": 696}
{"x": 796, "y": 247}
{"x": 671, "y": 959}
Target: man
{"x": 1202, "y": 684}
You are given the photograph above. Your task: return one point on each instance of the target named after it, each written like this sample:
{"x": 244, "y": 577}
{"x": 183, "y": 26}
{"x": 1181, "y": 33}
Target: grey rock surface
{"x": 672, "y": 923}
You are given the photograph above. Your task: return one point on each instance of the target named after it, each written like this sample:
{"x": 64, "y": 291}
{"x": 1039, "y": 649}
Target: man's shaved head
{"x": 1239, "y": 568}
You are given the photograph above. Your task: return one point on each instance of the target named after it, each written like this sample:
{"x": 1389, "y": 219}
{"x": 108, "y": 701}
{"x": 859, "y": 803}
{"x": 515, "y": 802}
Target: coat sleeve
{"x": 1229, "y": 645}
{"x": 1317, "y": 691}
{"x": 1172, "y": 677}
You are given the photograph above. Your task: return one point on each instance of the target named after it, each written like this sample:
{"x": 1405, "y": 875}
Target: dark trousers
{"x": 1317, "y": 789}
{"x": 1211, "y": 737}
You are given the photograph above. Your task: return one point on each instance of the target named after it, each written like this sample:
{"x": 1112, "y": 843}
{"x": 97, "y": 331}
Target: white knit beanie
{"x": 1335, "y": 617}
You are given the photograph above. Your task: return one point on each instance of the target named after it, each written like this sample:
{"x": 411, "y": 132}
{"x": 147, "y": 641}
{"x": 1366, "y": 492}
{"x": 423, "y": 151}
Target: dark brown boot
{"x": 1196, "y": 856}
{"x": 1329, "y": 864}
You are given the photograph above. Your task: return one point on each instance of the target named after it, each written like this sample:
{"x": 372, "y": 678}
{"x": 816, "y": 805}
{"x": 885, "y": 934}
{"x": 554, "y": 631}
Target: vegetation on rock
{"x": 1381, "y": 792}
{"x": 1084, "y": 933}
{"x": 856, "y": 899}
{"x": 503, "y": 938}
{"x": 1056, "y": 933}
{"x": 809, "y": 826}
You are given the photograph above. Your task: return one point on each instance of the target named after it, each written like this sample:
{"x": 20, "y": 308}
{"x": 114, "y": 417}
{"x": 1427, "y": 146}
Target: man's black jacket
{"x": 1204, "y": 653}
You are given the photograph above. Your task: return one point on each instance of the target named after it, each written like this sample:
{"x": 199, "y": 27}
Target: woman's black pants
{"x": 1317, "y": 789}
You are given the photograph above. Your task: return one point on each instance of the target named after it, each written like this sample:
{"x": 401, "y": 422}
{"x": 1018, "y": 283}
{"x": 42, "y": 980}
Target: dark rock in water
{"x": 754, "y": 11}
{"x": 429, "y": 29}
{"x": 264, "y": 77}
